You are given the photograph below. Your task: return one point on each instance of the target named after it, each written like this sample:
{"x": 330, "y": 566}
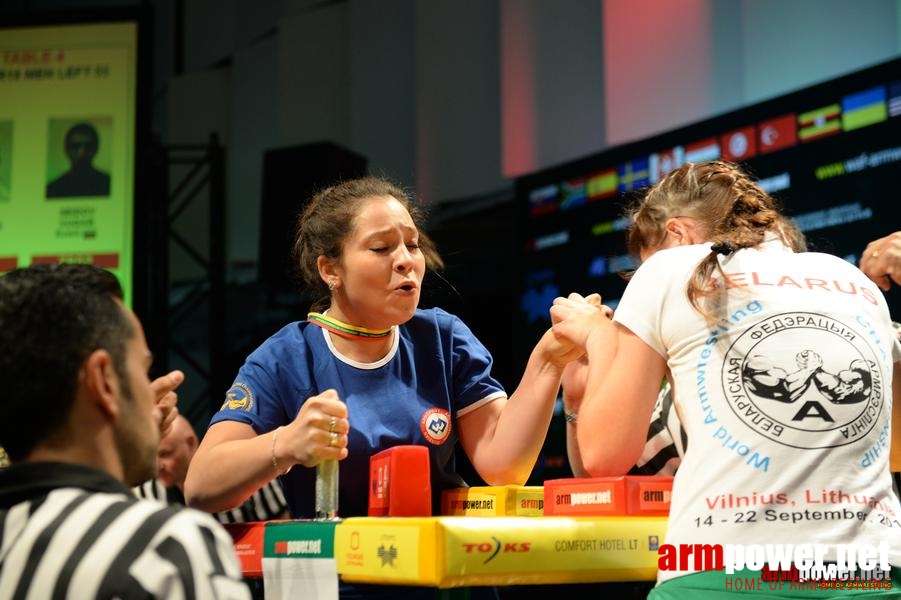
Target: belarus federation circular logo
{"x": 435, "y": 425}
{"x": 804, "y": 380}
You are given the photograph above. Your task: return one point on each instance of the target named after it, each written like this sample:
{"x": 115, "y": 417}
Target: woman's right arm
{"x": 230, "y": 464}
{"x": 623, "y": 378}
{"x": 232, "y": 461}
{"x": 575, "y": 376}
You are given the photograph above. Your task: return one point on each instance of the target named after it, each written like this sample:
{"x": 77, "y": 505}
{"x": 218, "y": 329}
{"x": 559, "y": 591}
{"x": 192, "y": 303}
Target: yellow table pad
{"x": 456, "y": 551}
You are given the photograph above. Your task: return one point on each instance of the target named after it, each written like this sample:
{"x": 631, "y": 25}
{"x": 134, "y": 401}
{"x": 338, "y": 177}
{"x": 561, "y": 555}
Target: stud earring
{"x": 331, "y": 285}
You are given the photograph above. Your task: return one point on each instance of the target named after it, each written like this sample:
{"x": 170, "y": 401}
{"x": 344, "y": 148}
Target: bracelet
{"x": 571, "y": 417}
{"x": 275, "y": 460}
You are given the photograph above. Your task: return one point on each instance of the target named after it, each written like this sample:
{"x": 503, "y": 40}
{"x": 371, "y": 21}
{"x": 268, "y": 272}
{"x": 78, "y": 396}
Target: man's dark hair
{"x": 51, "y": 318}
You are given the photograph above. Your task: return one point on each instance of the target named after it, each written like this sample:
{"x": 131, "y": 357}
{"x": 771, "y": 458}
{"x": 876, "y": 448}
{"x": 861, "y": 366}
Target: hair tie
{"x": 725, "y": 248}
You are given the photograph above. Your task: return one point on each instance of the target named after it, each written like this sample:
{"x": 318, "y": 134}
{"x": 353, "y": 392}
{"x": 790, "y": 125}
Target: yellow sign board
{"x": 461, "y": 551}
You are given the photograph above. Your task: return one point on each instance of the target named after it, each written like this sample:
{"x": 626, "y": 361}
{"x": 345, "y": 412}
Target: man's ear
{"x": 101, "y": 382}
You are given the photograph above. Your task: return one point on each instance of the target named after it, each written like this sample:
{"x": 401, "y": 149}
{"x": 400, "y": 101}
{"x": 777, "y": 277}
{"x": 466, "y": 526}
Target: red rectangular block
{"x": 608, "y": 496}
{"x": 248, "y": 540}
{"x": 648, "y": 495}
{"x": 399, "y": 483}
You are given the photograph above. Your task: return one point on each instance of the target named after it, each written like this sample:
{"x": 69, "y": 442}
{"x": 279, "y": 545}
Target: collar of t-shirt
{"x": 21, "y": 482}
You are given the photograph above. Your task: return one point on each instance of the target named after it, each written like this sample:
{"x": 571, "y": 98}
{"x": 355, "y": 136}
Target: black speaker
{"x": 291, "y": 176}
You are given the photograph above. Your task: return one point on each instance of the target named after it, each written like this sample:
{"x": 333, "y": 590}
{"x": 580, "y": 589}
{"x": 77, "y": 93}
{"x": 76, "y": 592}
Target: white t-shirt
{"x": 787, "y": 404}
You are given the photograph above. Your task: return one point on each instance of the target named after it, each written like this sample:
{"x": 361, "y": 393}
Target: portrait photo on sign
{"x": 79, "y": 157}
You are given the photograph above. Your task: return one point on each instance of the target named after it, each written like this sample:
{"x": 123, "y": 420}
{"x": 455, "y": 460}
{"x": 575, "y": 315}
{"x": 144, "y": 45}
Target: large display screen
{"x": 68, "y": 98}
{"x": 830, "y": 153}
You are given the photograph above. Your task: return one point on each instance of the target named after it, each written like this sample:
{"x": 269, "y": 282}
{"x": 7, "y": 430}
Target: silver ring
{"x": 332, "y": 421}
{"x": 333, "y": 439}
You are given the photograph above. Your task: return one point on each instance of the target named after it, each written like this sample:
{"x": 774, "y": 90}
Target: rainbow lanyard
{"x": 351, "y": 332}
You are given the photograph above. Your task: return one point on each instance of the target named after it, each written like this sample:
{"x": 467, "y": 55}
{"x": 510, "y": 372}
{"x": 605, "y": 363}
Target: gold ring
{"x": 332, "y": 421}
{"x": 333, "y": 439}
{"x": 875, "y": 254}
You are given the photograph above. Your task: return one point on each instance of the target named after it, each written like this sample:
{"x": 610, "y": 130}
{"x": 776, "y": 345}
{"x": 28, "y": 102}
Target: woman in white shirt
{"x": 781, "y": 364}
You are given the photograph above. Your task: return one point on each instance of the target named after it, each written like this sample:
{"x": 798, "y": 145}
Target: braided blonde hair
{"x": 733, "y": 213}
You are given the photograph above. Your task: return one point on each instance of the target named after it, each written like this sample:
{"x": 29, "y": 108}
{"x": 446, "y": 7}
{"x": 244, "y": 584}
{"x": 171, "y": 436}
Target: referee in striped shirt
{"x": 81, "y": 422}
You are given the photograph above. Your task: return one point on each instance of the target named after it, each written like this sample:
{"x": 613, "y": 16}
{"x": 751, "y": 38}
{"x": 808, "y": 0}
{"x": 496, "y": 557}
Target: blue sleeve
{"x": 472, "y": 364}
{"x": 272, "y": 384}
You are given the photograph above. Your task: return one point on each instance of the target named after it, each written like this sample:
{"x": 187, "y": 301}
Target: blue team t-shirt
{"x": 435, "y": 371}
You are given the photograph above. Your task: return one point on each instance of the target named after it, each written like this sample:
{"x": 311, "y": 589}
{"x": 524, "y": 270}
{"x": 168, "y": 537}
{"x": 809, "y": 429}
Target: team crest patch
{"x": 435, "y": 425}
{"x": 239, "y": 397}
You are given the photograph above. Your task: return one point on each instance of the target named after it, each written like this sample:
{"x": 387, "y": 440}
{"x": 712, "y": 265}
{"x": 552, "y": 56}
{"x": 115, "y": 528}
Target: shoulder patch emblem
{"x": 239, "y": 397}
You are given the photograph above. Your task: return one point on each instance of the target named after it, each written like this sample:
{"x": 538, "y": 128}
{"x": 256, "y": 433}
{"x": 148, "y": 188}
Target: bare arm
{"x": 574, "y": 378}
{"x": 503, "y": 438}
{"x": 230, "y": 464}
{"x": 623, "y": 380}
{"x": 232, "y": 461}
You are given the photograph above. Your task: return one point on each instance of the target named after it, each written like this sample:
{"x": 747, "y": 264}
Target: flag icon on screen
{"x": 740, "y": 144}
{"x": 602, "y": 185}
{"x": 543, "y": 200}
{"x": 819, "y": 122}
{"x": 702, "y": 151}
{"x": 894, "y": 99}
{"x": 572, "y": 194}
{"x": 777, "y": 133}
{"x": 633, "y": 175}
{"x": 863, "y": 108}
{"x": 663, "y": 162}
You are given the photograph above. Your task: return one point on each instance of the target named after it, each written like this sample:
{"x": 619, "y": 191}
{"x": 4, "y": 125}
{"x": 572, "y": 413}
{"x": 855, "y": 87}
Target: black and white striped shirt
{"x": 666, "y": 442}
{"x": 72, "y": 531}
{"x": 265, "y": 504}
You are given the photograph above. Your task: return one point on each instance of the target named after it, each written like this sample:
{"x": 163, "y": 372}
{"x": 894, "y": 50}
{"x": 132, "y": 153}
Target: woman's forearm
{"x": 224, "y": 472}
{"x": 616, "y": 408}
{"x": 503, "y": 438}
